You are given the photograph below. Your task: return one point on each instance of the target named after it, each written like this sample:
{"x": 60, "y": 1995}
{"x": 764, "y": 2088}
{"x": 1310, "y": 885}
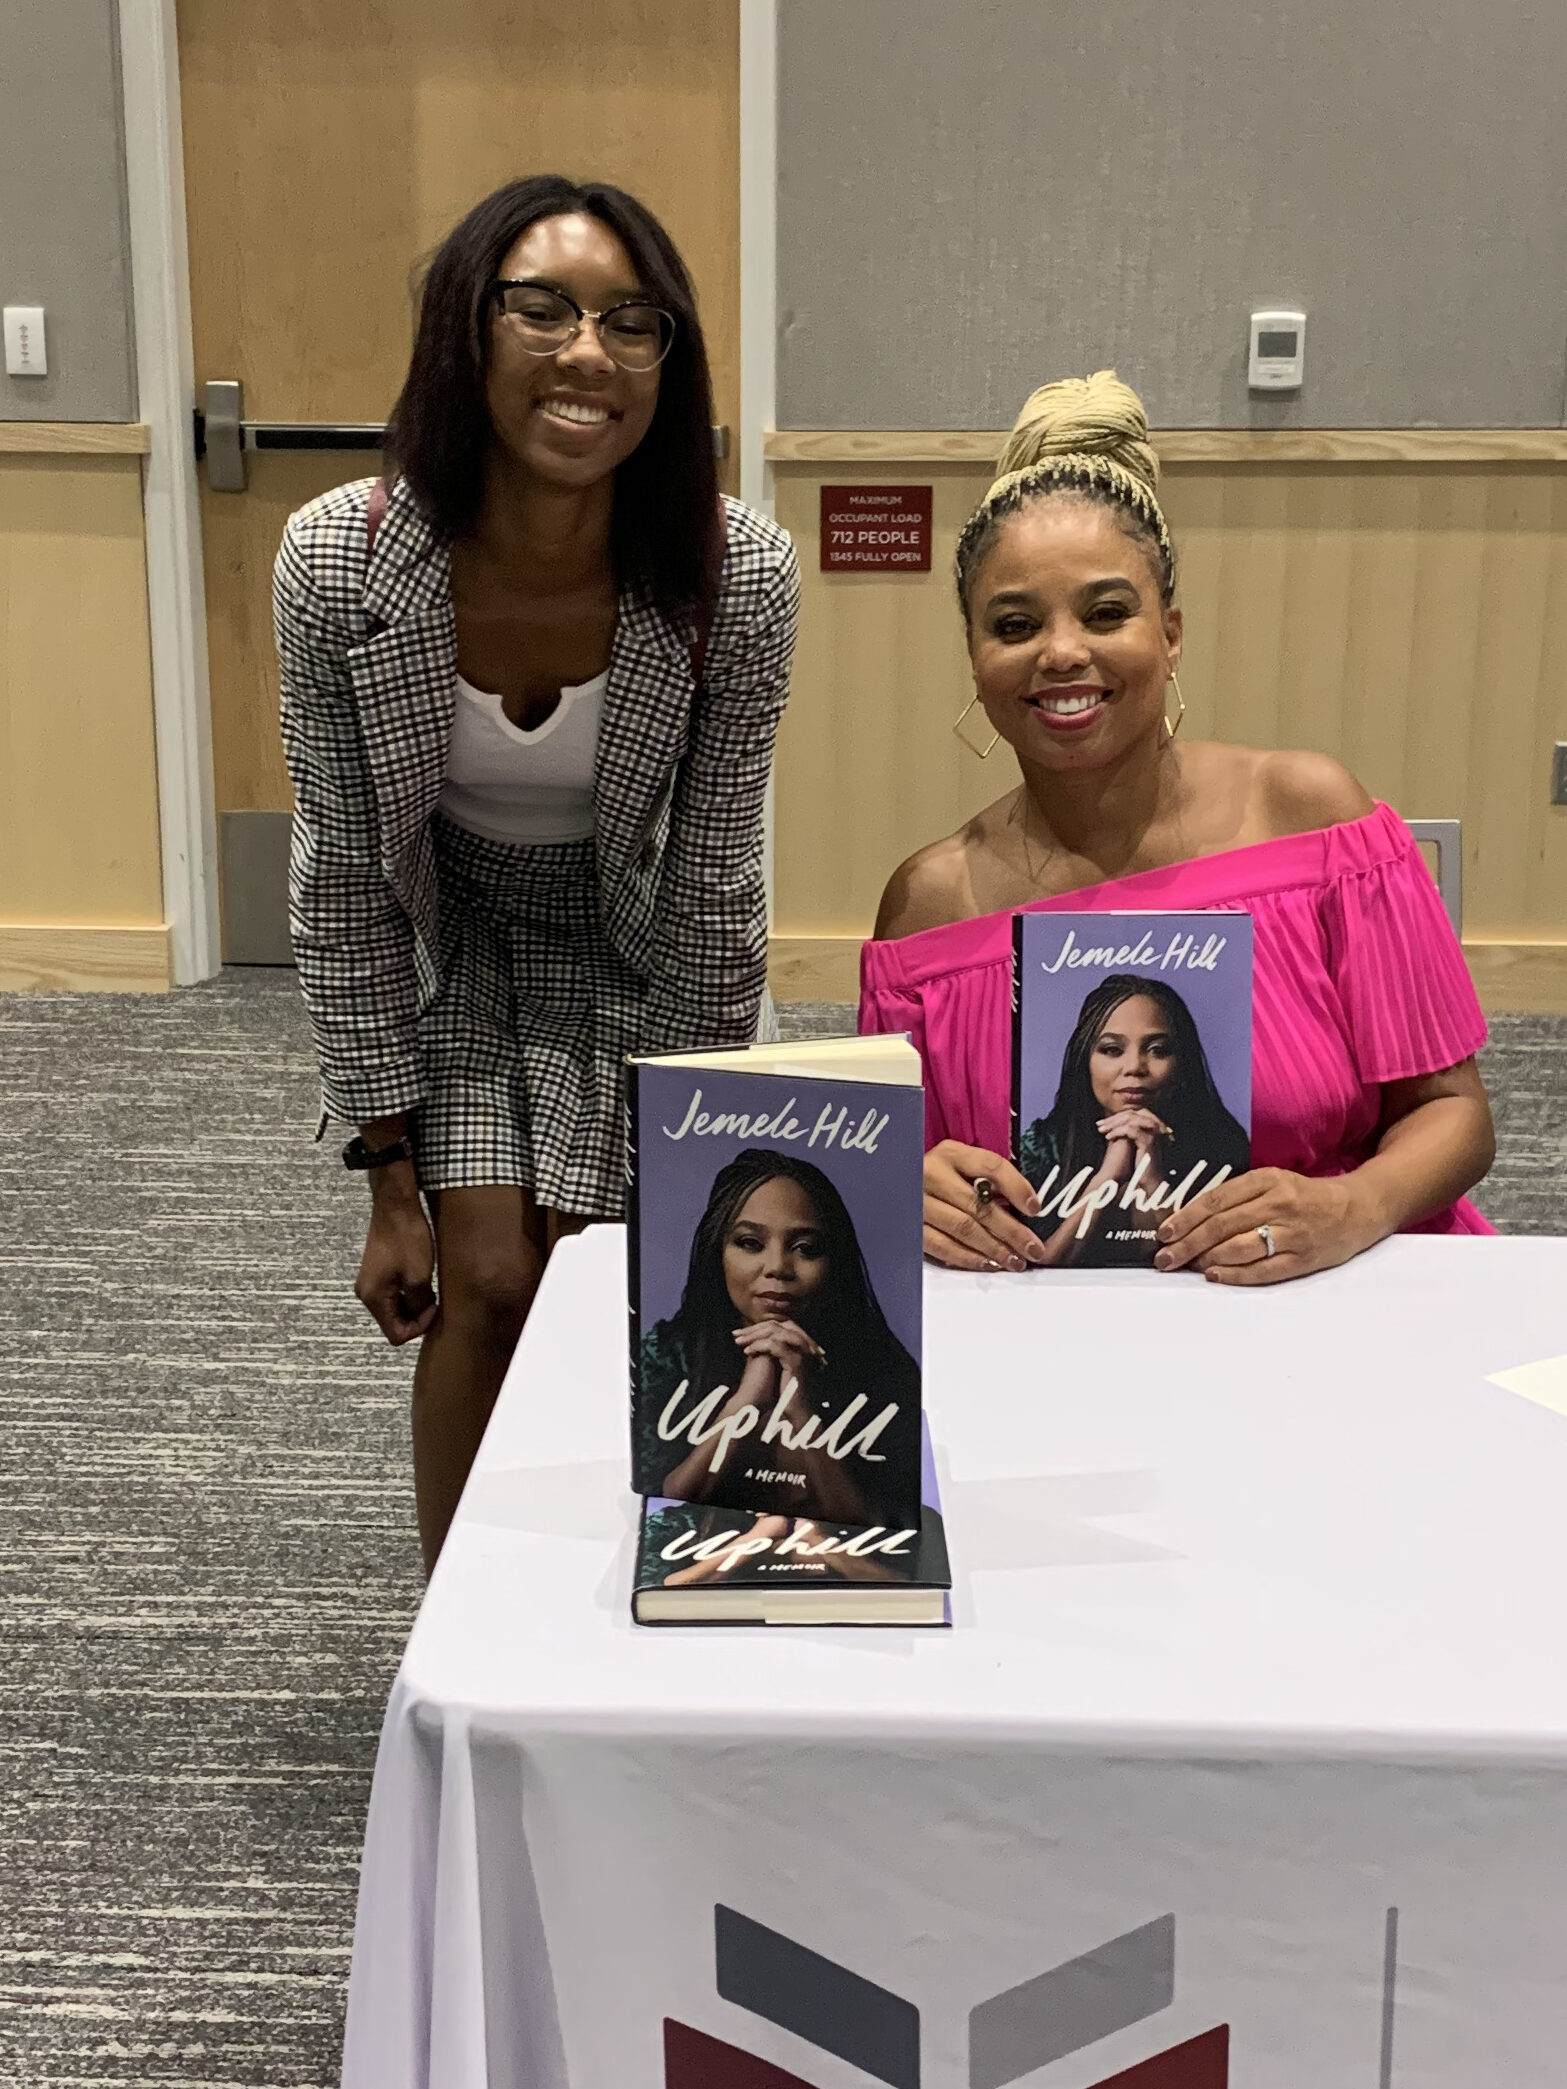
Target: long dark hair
{"x": 666, "y": 491}
{"x": 1192, "y": 1106}
{"x": 845, "y": 1315}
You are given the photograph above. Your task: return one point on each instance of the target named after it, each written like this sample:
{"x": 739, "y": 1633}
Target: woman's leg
{"x": 490, "y": 1250}
{"x": 557, "y": 1224}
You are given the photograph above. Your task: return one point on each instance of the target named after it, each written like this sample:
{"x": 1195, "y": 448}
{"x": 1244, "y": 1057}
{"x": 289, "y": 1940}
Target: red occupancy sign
{"x": 876, "y": 529}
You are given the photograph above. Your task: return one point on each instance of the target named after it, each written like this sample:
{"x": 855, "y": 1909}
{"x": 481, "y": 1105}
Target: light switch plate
{"x": 1559, "y": 773}
{"x": 25, "y": 352}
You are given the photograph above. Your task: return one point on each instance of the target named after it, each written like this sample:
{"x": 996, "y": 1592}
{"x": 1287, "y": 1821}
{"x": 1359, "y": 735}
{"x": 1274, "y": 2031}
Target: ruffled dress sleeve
{"x": 950, "y": 988}
{"x": 1409, "y": 1003}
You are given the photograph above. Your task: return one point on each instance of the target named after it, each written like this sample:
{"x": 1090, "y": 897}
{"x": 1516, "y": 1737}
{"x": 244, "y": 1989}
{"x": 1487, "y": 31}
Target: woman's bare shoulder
{"x": 1301, "y": 791}
{"x": 1280, "y": 791}
{"x": 929, "y": 889}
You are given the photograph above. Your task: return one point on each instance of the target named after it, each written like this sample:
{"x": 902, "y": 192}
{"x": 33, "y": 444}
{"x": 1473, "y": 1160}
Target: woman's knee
{"x": 491, "y": 1291}
{"x": 489, "y": 1264}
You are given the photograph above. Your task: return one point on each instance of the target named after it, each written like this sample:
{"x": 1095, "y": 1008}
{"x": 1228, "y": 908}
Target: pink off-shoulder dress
{"x": 1358, "y": 980}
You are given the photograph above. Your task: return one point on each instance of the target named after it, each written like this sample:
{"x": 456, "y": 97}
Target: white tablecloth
{"x": 1258, "y": 1625}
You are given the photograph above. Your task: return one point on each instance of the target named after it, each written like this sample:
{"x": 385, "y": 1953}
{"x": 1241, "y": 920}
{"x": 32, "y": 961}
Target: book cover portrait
{"x": 776, "y": 1270}
{"x": 1131, "y": 1074}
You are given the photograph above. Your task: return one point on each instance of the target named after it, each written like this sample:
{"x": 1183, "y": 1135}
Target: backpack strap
{"x": 375, "y": 514}
{"x": 707, "y": 601}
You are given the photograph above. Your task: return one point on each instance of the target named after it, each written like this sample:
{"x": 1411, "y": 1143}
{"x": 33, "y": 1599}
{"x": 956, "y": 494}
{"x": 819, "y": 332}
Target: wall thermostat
{"x": 1278, "y": 352}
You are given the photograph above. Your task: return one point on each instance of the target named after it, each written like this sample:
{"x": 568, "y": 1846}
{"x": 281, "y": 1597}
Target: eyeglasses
{"x": 635, "y": 336}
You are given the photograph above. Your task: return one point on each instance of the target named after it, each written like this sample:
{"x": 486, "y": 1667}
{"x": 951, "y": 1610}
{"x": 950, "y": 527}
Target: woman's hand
{"x": 1436, "y": 1143}
{"x": 791, "y": 1348}
{"x": 841, "y": 1566}
{"x": 397, "y": 1270}
{"x": 772, "y": 1528}
{"x": 693, "y": 1479}
{"x": 962, "y": 1230}
{"x": 1316, "y": 1223}
{"x": 1127, "y": 1135}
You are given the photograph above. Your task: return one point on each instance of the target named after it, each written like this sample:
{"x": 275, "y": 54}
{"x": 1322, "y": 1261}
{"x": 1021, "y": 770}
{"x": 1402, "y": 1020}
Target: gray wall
{"x": 63, "y": 238}
{"x": 976, "y": 197}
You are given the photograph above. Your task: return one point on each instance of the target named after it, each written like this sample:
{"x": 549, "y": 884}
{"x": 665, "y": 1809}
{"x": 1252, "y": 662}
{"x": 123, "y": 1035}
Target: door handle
{"x": 224, "y": 437}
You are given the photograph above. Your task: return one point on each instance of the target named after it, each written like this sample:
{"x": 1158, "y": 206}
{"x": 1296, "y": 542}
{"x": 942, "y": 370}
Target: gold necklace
{"x": 1019, "y": 813}
{"x": 1022, "y": 805}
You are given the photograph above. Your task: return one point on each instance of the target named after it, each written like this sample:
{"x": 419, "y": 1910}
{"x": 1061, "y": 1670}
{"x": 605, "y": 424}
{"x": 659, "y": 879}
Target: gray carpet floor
{"x": 206, "y": 1534}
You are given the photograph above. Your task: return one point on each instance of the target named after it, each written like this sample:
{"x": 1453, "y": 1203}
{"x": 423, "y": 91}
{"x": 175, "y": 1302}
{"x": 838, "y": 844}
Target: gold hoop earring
{"x": 957, "y": 727}
{"x": 1170, "y": 731}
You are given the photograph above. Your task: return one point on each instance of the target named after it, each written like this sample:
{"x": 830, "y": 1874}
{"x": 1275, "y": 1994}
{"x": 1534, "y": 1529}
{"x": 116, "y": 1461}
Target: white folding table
{"x": 1250, "y": 1732}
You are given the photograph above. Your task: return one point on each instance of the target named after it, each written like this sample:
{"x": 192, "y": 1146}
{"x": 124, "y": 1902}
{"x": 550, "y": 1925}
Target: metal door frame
{"x": 165, "y": 379}
{"x": 759, "y": 290}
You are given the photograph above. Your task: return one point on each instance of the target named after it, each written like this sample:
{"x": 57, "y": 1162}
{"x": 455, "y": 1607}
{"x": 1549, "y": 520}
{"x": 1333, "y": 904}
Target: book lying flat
{"x": 1131, "y": 1072}
{"x": 775, "y": 1270}
{"x": 712, "y": 1566}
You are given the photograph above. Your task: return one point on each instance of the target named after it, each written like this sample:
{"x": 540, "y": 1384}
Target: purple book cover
{"x": 775, "y": 1283}
{"x": 1131, "y": 1072}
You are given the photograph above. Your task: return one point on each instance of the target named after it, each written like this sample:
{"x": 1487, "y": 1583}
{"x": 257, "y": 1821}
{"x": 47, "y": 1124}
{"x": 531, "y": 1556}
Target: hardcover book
{"x": 775, "y": 1279}
{"x": 1131, "y": 1072}
{"x": 712, "y": 1566}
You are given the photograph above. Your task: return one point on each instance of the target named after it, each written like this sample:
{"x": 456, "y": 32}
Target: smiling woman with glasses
{"x": 531, "y": 681}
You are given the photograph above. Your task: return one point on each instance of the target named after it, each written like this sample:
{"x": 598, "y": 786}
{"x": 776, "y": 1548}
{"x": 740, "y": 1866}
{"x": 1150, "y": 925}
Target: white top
{"x": 515, "y": 786}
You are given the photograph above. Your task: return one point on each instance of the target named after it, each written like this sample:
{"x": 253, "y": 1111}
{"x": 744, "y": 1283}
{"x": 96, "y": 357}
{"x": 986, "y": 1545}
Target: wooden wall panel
{"x": 981, "y": 446}
{"x": 1411, "y": 620}
{"x": 69, "y": 958}
{"x": 78, "y": 775}
{"x": 67, "y": 438}
{"x": 328, "y": 147}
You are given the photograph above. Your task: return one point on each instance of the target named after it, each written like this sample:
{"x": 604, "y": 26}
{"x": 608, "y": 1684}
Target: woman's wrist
{"x": 1374, "y": 1209}
{"x": 384, "y": 1131}
{"x": 395, "y": 1183}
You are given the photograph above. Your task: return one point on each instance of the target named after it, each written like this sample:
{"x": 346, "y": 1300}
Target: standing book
{"x": 710, "y": 1566}
{"x": 1131, "y": 1073}
{"x": 775, "y": 1279}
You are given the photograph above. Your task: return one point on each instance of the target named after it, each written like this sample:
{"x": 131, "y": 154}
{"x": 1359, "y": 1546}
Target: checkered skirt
{"x": 523, "y": 1050}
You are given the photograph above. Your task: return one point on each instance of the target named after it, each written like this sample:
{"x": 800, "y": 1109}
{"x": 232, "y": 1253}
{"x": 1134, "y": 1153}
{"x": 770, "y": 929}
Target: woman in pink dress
{"x": 1369, "y": 1116}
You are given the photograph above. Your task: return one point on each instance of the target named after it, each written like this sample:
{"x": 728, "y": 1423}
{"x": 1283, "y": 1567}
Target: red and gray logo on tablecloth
{"x": 1058, "y": 2012}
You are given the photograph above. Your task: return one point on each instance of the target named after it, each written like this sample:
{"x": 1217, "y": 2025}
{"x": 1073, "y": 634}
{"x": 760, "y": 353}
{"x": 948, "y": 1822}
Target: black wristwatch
{"x": 356, "y": 1154}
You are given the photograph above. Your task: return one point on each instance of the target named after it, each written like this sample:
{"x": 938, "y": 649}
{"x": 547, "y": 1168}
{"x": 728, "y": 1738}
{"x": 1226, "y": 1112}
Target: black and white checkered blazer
{"x": 367, "y": 645}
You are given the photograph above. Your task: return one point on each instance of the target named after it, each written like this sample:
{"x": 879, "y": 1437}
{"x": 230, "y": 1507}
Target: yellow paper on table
{"x": 1545, "y": 1383}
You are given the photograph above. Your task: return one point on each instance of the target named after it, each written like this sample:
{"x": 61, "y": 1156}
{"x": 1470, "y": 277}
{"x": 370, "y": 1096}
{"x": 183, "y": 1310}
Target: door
{"x": 326, "y": 149}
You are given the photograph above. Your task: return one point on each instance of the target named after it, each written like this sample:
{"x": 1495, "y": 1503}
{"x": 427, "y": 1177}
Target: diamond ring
{"x": 1265, "y": 1233}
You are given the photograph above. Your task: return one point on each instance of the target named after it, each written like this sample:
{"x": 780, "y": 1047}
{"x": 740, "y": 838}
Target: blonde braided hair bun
{"x": 1094, "y": 416}
{"x": 1084, "y": 435}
